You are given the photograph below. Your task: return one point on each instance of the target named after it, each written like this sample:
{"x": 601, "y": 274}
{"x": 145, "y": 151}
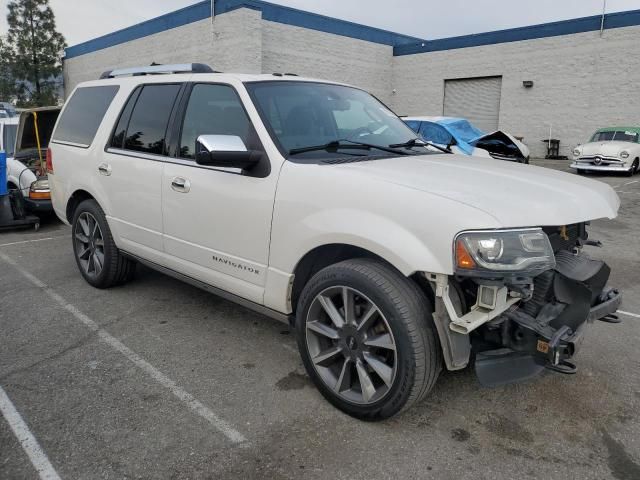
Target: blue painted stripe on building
{"x": 184, "y": 16}
{"x": 314, "y": 21}
{"x": 270, "y": 11}
{"x": 565, "y": 27}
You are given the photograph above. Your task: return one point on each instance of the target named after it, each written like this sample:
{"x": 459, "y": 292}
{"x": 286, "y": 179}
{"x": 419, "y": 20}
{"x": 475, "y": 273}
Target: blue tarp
{"x": 465, "y": 134}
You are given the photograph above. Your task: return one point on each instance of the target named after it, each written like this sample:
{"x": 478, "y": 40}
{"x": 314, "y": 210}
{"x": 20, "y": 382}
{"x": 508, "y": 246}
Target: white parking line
{"x": 189, "y": 400}
{"x": 635, "y": 315}
{"x": 33, "y": 241}
{"x": 27, "y": 441}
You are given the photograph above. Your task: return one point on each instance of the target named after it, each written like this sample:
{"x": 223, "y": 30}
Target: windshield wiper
{"x": 344, "y": 143}
{"x": 416, "y": 142}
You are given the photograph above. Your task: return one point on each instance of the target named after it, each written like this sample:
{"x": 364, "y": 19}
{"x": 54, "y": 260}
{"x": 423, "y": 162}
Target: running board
{"x": 256, "y": 307}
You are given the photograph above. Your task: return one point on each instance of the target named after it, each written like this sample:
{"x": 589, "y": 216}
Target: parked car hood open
{"x": 544, "y": 197}
{"x": 607, "y": 149}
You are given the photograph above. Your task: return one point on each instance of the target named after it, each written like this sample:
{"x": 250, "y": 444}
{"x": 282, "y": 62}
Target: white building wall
{"x": 310, "y": 53}
{"x": 582, "y": 82}
{"x": 233, "y": 42}
{"x": 240, "y": 41}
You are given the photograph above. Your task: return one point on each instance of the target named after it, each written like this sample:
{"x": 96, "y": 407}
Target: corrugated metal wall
{"x": 476, "y": 99}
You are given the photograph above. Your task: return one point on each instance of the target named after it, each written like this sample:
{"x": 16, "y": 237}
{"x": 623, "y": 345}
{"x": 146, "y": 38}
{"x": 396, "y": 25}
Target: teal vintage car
{"x": 611, "y": 149}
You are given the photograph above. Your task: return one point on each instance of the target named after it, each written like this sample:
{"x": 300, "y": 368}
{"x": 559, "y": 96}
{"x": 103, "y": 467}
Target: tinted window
{"x": 435, "y": 133}
{"x": 148, "y": 125}
{"x": 121, "y": 128}
{"x": 9, "y": 138}
{"x": 213, "y": 110}
{"x": 413, "y": 125}
{"x": 84, "y": 113}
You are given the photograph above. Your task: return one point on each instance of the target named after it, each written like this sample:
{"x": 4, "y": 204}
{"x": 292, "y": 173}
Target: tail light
{"x": 49, "y": 162}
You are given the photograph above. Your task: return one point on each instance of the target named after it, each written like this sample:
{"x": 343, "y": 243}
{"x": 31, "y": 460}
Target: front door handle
{"x": 181, "y": 185}
{"x": 104, "y": 169}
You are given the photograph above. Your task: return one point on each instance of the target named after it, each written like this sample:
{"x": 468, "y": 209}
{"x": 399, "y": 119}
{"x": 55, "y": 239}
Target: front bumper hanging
{"x": 548, "y": 330}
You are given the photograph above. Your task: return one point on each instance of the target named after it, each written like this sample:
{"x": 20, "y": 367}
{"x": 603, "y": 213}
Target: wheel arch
{"x": 325, "y": 255}
{"x": 76, "y": 199}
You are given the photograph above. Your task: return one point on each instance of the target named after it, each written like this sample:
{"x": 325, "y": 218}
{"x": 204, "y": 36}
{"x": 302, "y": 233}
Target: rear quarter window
{"x": 83, "y": 114}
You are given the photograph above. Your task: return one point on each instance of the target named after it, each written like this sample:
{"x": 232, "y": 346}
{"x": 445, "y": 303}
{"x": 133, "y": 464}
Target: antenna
{"x": 604, "y": 11}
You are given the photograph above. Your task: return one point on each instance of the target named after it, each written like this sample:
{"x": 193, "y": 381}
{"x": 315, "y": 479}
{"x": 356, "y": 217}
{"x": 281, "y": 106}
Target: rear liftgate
{"x": 546, "y": 331}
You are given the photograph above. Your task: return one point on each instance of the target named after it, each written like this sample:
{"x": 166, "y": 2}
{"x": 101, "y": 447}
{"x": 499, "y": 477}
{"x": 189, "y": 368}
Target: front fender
{"x": 372, "y": 232}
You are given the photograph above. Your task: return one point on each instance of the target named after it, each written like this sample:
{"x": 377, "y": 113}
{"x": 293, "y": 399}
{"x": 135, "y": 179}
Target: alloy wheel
{"x": 89, "y": 243}
{"x": 351, "y": 345}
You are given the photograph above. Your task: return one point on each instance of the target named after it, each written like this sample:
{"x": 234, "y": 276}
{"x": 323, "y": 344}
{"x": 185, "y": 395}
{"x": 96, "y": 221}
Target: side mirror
{"x": 227, "y": 151}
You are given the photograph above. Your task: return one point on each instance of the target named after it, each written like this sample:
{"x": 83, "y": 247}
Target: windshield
{"x": 9, "y": 139}
{"x": 300, "y": 115}
{"x": 619, "y": 135}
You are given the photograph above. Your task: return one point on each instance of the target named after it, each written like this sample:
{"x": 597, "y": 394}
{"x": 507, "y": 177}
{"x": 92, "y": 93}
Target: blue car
{"x": 462, "y": 137}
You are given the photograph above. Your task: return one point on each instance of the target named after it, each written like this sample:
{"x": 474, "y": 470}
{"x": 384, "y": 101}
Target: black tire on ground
{"x": 581, "y": 172}
{"x": 408, "y": 314}
{"x": 116, "y": 269}
{"x": 635, "y": 167}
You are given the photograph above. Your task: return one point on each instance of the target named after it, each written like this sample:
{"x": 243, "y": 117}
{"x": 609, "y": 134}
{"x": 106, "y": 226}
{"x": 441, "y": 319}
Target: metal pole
{"x": 604, "y": 11}
{"x": 213, "y": 10}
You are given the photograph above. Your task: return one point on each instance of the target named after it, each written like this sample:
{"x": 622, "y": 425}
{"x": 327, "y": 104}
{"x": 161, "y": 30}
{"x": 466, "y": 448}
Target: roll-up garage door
{"x": 476, "y": 99}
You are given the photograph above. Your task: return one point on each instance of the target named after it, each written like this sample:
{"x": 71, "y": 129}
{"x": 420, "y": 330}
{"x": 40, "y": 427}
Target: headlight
{"x": 577, "y": 152}
{"x": 39, "y": 190}
{"x": 624, "y": 154}
{"x": 507, "y": 252}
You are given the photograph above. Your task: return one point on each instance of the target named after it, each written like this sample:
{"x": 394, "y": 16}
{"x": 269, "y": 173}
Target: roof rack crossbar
{"x": 159, "y": 69}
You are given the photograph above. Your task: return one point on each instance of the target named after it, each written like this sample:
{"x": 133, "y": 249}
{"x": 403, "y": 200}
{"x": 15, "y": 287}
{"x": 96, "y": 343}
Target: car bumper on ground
{"x": 38, "y": 206}
{"x": 547, "y": 331}
{"x": 600, "y": 168}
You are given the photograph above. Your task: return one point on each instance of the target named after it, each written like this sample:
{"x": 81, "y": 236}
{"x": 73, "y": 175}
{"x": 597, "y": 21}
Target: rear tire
{"x": 373, "y": 366}
{"x": 99, "y": 260}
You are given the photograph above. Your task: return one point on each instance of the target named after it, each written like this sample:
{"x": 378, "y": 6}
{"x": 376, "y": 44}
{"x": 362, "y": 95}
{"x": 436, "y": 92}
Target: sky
{"x": 81, "y": 20}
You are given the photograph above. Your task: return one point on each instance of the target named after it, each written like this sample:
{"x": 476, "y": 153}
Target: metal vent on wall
{"x": 476, "y": 99}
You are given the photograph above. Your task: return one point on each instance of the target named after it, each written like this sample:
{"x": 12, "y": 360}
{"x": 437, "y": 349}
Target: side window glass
{"x": 148, "y": 125}
{"x": 213, "y": 110}
{"x": 121, "y": 128}
{"x": 413, "y": 125}
{"x": 83, "y": 114}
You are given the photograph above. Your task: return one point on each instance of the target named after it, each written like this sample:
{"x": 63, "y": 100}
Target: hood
{"x": 502, "y": 145}
{"x": 606, "y": 149}
{"x": 516, "y": 195}
{"x": 27, "y": 141}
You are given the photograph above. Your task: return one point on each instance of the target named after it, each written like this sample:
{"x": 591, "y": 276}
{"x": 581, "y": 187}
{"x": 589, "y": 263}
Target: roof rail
{"x": 155, "y": 69}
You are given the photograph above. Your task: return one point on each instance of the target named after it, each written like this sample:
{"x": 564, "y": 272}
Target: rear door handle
{"x": 104, "y": 169}
{"x": 181, "y": 185}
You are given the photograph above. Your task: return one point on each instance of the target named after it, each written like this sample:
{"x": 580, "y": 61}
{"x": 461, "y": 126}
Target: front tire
{"x": 634, "y": 168}
{"x": 367, "y": 339}
{"x": 98, "y": 259}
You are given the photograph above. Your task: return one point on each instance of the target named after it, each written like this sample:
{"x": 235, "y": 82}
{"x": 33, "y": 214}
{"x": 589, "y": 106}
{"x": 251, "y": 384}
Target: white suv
{"x": 311, "y": 202}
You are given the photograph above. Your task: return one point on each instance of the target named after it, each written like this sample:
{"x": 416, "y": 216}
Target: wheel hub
{"x": 351, "y": 345}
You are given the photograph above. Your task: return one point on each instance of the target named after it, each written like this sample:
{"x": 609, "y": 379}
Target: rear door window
{"x": 147, "y": 128}
{"x": 83, "y": 114}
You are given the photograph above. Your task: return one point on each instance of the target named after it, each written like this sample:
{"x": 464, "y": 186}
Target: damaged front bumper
{"x": 517, "y": 336}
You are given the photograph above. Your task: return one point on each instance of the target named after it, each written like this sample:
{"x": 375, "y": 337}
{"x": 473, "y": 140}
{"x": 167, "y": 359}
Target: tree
{"x": 7, "y": 82}
{"x": 37, "y": 50}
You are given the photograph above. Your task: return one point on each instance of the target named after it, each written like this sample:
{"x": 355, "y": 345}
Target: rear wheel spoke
{"x": 344, "y": 380}
{"x": 323, "y": 329}
{"x": 366, "y": 385}
{"x": 328, "y": 357}
{"x": 384, "y": 371}
{"x": 331, "y": 310}
{"x": 381, "y": 341}
{"x": 368, "y": 318}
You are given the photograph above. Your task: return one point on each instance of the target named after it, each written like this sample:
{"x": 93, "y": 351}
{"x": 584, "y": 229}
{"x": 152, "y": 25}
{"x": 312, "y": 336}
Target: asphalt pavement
{"x": 160, "y": 380}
